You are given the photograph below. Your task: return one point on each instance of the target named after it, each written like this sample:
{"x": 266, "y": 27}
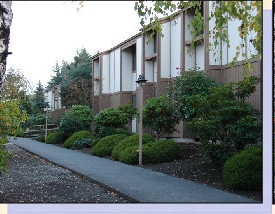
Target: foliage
{"x": 11, "y": 118}
{"x": 160, "y": 115}
{"x": 224, "y": 123}
{"x": 39, "y": 99}
{"x": 108, "y": 121}
{"x": 189, "y": 83}
{"x": 219, "y": 115}
{"x": 69, "y": 124}
{"x": 15, "y": 84}
{"x": 106, "y": 144}
{"x": 244, "y": 170}
{"x": 56, "y": 79}
{"x": 79, "y": 118}
{"x": 128, "y": 142}
{"x": 84, "y": 113}
{"x": 35, "y": 119}
{"x": 54, "y": 138}
{"x": 249, "y": 15}
{"x": 129, "y": 110}
{"x": 77, "y": 136}
{"x": 82, "y": 143}
{"x": 153, "y": 152}
{"x": 76, "y": 89}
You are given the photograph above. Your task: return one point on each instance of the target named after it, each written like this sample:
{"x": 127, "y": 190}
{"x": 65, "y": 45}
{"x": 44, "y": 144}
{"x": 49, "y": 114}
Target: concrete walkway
{"x": 132, "y": 182}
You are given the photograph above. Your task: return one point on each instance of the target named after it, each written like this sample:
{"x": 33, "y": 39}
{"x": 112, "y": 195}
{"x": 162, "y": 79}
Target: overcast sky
{"x": 48, "y": 31}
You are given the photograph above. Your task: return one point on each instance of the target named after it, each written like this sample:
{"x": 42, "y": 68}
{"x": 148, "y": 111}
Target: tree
{"x": 160, "y": 115}
{"x": 15, "y": 82}
{"x": 5, "y": 24}
{"x": 11, "y": 118}
{"x": 57, "y": 78}
{"x": 189, "y": 83}
{"x": 248, "y": 13}
{"x": 39, "y": 99}
{"x": 76, "y": 89}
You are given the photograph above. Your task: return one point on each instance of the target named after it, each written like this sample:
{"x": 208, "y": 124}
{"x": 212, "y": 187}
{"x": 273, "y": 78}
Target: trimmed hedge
{"x": 153, "y": 152}
{"x": 244, "y": 170}
{"x": 78, "y": 136}
{"x": 81, "y": 144}
{"x": 128, "y": 142}
{"x": 106, "y": 144}
{"x": 54, "y": 138}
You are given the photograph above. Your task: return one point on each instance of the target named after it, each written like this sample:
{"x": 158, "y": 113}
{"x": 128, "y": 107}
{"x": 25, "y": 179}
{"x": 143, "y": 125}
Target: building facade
{"x": 116, "y": 70}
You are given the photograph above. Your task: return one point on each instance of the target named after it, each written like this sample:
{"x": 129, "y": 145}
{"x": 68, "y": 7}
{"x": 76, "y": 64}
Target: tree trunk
{"x": 5, "y": 24}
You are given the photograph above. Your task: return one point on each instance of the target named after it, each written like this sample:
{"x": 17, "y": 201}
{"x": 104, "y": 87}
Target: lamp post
{"x": 141, "y": 81}
{"x": 46, "y": 128}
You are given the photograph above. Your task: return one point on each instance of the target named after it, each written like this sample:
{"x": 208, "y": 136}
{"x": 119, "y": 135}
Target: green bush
{"x": 54, "y": 138}
{"x": 82, "y": 143}
{"x": 153, "y": 152}
{"x": 108, "y": 121}
{"x": 79, "y": 118}
{"x": 78, "y": 136}
{"x": 106, "y": 144}
{"x": 128, "y": 142}
{"x": 244, "y": 170}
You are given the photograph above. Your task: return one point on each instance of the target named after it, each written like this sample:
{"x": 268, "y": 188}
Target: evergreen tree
{"x": 39, "y": 99}
{"x": 57, "y": 78}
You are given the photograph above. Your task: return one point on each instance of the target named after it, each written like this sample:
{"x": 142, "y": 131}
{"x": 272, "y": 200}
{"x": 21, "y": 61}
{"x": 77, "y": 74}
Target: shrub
{"x": 153, "y": 152}
{"x": 128, "y": 142}
{"x": 244, "y": 170}
{"x": 82, "y": 143}
{"x": 106, "y": 144}
{"x": 218, "y": 152}
{"x": 69, "y": 124}
{"x": 108, "y": 121}
{"x": 54, "y": 138}
{"x": 78, "y": 136}
{"x": 79, "y": 118}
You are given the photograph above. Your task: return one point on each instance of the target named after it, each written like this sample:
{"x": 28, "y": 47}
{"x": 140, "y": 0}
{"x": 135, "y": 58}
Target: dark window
{"x": 134, "y": 59}
{"x": 134, "y": 100}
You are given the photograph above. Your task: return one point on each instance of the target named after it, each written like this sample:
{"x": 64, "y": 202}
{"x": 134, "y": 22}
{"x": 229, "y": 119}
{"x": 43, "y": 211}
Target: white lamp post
{"x": 141, "y": 81}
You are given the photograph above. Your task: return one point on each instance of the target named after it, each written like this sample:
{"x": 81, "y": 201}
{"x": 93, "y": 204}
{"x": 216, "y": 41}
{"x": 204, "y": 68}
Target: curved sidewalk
{"x": 132, "y": 182}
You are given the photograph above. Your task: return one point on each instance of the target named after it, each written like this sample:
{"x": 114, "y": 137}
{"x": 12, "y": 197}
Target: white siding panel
{"x": 106, "y": 74}
{"x": 149, "y": 71}
{"x": 149, "y": 46}
{"x": 112, "y": 72}
{"x": 96, "y": 69}
{"x": 126, "y": 71}
{"x": 175, "y": 46}
{"x": 200, "y": 56}
{"x": 139, "y": 56}
{"x": 189, "y": 58}
{"x": 117, "y": 71}
{"x": 165, "y": 51}
{"x": 214, "y": 59}
{"x": 234, "y": 39}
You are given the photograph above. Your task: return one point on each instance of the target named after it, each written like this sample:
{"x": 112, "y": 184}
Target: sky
{"x": 46, "y": 32}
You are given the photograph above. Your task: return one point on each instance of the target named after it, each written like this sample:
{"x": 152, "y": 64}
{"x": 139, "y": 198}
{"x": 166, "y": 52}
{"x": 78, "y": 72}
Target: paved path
{"x": 132, "y": 182}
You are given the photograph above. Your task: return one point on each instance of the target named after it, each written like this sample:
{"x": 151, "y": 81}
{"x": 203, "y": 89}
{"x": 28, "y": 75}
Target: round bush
{"x": 128, "y": 142}
{"x": 81, "y": 144}
{"x": 70, "y": 124}
{"x": 54, "y": 138}
{"x": 106, "y": 144}
{"x": 78, "y": 136}
{"x": 153, "y": 152}
{"x": 244, "y": 170}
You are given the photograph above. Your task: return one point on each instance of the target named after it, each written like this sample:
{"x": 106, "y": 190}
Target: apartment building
{"x": 116, "y": 70}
